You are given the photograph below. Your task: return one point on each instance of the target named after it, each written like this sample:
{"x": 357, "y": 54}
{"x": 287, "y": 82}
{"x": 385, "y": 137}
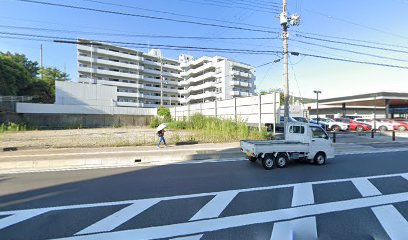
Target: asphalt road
{"x": 362, "y": 196}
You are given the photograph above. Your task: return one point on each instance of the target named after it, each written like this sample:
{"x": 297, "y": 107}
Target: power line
{"x": 75, "y": 41}
{"x": 351, "y": 51}
{"x": 348, "y": 60}
{"x": 246, "y": 4}
{"x": 136, "y": 35}
{"x": 172, "y": 13}
{"x": 229, "y": 6}
{"x": 142, "y": 16}
{"x": 354, "y": 40}
{"x": 356, "y": 24}
{"x": 351, "y": 44}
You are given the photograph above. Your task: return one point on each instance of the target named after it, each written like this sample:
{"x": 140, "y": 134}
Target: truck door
{"x": 320, "y": 141}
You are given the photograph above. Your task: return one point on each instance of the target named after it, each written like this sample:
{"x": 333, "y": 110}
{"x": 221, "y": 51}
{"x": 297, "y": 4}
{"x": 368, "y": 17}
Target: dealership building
{"x": 378, "y": 104}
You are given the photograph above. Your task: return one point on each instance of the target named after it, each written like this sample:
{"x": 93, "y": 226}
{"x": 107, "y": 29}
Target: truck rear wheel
{"x": 268, "y": 162}
{"x": 320, "y": 158}
{"x": 281, "y": 160}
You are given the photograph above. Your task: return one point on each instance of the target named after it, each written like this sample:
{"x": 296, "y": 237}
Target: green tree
{"x": 31, "y": 66}
{"x": 13, "y": 76}
{"x": 48, "y": 77}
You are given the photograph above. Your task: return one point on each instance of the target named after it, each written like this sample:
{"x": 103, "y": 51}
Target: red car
{"x": 354, "y": 126}
{"x": 398, "y": 124}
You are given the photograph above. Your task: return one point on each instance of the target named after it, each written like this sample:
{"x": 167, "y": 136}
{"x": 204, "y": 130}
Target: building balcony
{"x": 120, "y": 84}
{"x": 97, "y": 50}
{"x": 240, "y": 94}
{"x": 157, "y": 89}
{"x": 87, "y": 60}
{"x": 129, "y": 104}
{"x": 130, "y": 94}
{"x": 198, "y": 70}
{"x": 110, "y": 73}
{"x": 242, "y": 84}
{"x": 241, "y": 74}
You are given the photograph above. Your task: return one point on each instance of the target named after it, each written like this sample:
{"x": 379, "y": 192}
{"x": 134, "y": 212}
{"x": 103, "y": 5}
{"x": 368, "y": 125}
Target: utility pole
{"x": 317, "y": 104}
{"x": 293, "y": 20}
{"x": 161, "y": 80}
{"x": 284, "y": 23}
{"x": 41, "y": 60}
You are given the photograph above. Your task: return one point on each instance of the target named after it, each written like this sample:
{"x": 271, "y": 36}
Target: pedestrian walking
{"x": 160, "y": 134}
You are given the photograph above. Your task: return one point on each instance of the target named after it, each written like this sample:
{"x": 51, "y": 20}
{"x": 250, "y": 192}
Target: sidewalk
{"x": 87, "y": 158}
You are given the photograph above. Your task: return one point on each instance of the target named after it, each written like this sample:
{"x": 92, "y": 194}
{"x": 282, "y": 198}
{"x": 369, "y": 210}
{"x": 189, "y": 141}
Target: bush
{"x": 155, "y": 122}
{"x": 164, "y": 113}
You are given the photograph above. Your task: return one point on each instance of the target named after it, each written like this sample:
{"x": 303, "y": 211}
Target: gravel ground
{"x": 96, "y": 137}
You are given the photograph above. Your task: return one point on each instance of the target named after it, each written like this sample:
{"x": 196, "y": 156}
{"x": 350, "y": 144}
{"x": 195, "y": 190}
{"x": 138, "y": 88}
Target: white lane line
{"x": 117, "y": 152}
{"x": 299, "y": 229}
{"x": 112, "y": 221}
{"x": 405, "y": 176}
{"x": 302, "y": 194}
{"x": 194, "y": 237}
{"x": 215, "y": 207}
{"x": 19, "y": 217}
{"x": 197, "y": 194}
{"x": 365, "y": 187}
{"x": 202, "y": 226}
{"x": 392, "y": 221}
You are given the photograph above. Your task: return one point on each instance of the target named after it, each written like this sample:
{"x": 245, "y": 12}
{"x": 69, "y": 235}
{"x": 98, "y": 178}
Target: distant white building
{"x": 214, "y": 78}
{"x": 138, "y": 76}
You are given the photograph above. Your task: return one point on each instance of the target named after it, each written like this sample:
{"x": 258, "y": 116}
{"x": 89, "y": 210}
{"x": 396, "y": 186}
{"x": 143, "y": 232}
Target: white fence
{"x": 83, "y": 109}
{"x": 254, "y": 110}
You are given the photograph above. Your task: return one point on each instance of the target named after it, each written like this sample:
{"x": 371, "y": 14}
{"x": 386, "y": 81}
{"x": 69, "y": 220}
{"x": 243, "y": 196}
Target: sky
{"x": 379, "y": 26}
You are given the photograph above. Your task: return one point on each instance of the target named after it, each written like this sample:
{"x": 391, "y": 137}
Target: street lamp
{"x": 317, "y": 104}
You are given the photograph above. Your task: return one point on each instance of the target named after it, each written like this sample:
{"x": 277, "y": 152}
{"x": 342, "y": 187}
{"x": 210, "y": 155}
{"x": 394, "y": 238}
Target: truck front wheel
{"x": 320, "y": 158}
{"x": 281, "y": 160}
{"x": 267, "y": 162}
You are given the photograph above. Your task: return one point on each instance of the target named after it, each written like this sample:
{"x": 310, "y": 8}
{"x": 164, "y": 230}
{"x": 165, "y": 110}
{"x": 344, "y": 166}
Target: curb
{"x": 42, "y": 164}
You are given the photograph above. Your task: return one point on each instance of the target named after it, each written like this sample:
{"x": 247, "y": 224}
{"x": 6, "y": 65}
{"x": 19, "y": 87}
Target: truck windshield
{"x": 319, "y": 133}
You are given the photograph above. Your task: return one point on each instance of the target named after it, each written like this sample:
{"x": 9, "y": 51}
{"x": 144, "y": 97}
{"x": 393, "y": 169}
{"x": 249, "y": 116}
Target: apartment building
{"x": 138, "y": 75}
{"x": 207, "y": 79}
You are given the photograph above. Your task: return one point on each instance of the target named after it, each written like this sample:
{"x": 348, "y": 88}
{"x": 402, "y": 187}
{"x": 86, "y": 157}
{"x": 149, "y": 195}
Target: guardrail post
{"x": 334, "y": 137}
{"x": 372, "y": 133}
{"x": 393, "y": 135}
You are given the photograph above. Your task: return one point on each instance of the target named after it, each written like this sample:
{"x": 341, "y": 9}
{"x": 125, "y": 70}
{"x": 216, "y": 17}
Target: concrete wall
{"x": 71, "y": 93}
{"x": 56, "y": 121}
{"x": 83, "y": 109}
{"x": 254, "y": 110}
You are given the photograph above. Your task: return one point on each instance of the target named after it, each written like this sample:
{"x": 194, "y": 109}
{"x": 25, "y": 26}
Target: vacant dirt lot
{"x": 97, "y": 137}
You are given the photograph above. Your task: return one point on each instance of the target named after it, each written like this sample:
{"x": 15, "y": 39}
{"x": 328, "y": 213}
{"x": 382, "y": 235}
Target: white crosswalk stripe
{"x": 111, "y": 222}
{"x": 295, "y": 222}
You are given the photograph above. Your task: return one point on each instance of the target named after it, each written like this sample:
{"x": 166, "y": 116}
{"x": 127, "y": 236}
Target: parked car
{"x": 333, "y": 125}
{"x": 301, "y": 119}
{"x": 382, "y": 126}
{"x": 398, "y": 125}
{"x": 354, "y": 126}
{"x": 403, "y": 122}
{"x": 323, "y": 125}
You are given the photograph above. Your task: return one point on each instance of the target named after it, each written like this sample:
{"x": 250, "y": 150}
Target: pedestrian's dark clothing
{"x": 160, "y": 134}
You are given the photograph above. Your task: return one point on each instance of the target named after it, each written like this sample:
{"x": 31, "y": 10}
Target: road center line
{"x": 202, "y": 226}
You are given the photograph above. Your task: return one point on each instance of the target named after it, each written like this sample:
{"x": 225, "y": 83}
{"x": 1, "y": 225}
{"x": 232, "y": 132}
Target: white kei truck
{"x": 303, "y": 141}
